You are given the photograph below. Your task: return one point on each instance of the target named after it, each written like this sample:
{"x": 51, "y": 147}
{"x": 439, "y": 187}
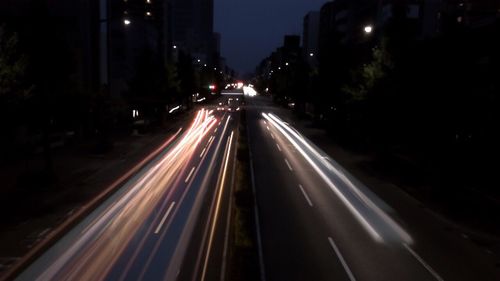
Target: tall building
{"x": 135, "y": 30}
{"x": 310, "y": 36}
{"x": 431, "y": 18}
{"x": 192, "y": 27}
{"x": 311, "y": 33}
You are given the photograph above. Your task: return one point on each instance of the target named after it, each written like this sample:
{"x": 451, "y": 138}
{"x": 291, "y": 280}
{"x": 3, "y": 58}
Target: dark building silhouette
{"x": 432, "y": 18}
{"x": 192, "y": 27}
{"x": 310, "y": 36}
{"x": 136, "y": 30}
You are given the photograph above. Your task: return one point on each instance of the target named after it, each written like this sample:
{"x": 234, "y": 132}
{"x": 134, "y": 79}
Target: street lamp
{"x": 126, "y": 21}
{"x": 368, "y": 29}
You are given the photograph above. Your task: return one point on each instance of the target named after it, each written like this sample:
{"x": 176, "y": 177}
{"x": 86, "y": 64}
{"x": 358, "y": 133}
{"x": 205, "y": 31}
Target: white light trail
{"x": 363, "y": 208}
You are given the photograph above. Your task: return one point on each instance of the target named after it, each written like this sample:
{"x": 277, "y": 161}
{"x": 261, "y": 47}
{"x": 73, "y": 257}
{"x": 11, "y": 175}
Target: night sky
{"x": 252, "y": 29}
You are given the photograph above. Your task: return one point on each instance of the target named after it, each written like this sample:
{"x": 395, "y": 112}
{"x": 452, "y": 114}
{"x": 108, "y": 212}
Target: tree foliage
{"x": 12, "y": 69}
{"x": 371, "y": 74}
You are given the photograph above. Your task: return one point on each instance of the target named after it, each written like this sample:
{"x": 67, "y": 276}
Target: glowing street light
{"x": 368, "y": 29}
{"x": 127, "y": 21}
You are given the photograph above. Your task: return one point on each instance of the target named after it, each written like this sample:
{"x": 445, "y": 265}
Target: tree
{"x": 369, "y": 75}
{"x": 12, "y": 70}
{"x": 14, "y": 91}
{"x": 172, "y": 84}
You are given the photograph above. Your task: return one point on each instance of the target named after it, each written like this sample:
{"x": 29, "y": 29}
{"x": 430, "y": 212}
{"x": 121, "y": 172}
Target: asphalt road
{"x": 317, "y": 222}
{"x": 167, "y": 222}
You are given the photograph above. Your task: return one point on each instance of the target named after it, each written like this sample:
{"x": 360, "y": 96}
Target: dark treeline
{"x": 433, "y": 102}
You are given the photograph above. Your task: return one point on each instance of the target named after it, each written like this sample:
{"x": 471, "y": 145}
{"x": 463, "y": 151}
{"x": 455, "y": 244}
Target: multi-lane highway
{"x": 318, "y": 222}
{"x": 315, "y": 221}
{"x": 165, "y": 222}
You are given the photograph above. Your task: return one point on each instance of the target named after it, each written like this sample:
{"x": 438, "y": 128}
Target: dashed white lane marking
{"x": 342, "y": 261}
{"x": 288, "y": 164}
{"x": 305, "y": 195}
{"x": 164, "y": 218}
{"x": 278, "y": 146}
{"x": 190, "y": 174}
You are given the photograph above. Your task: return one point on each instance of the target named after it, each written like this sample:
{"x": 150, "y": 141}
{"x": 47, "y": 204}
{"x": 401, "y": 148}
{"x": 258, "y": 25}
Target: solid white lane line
{"x": 305, "y": 195}
{"x": 217, "y": 205}
{"x": 228, "y": 223}
{"x": 204, "y": 149}
{"x": 211, "y": 139}
{"x": 342, "y": 261}
{"x": 288, "y": 164}
{"x": 190, "y": 174}
{"x": 424, "y": 264}
{"x": 164, "y": 218}
{"x": 278, "y": 146}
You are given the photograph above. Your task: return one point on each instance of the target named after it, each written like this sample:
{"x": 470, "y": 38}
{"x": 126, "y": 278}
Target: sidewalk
{"x": 29, "y": 215}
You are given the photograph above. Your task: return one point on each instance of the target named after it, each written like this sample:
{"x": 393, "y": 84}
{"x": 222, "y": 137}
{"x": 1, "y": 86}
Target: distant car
{"x": 233, "y": 104}
{"x": 220, "y": 106}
